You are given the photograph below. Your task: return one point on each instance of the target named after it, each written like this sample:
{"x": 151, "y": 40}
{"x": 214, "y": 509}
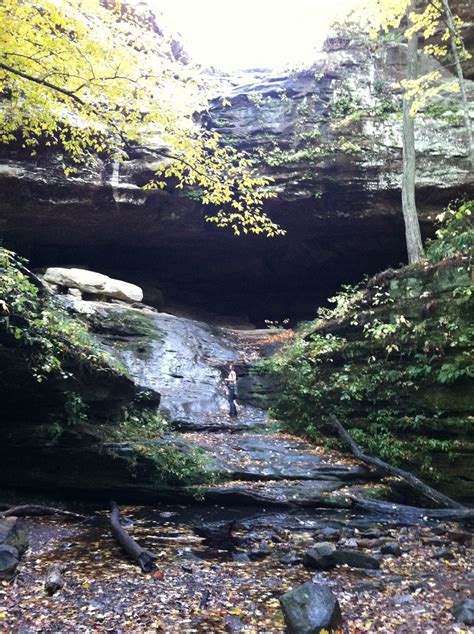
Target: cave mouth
{"x": 245, "y": 283}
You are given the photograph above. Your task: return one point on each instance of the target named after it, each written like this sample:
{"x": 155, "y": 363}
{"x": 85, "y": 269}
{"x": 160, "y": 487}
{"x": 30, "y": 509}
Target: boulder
{"x": 93, "y": 283}
{"x": 260, "y": 552}
{"x": 464, "y": 611}
{"x": 8, "y": 561}
{"x": 461, "y": 537}
{"x": 320, "y": 557}
{"x": 291, "y": 558}
{"x": 310, "y": 609}
{"x": 391, "y": 548}
{"x": 355, "y": 559}
{"x": 444, "y": 553}
{"x": 216, "y": 534}
{"x": 13, "y": 533}
{"x": 330, "y": 534}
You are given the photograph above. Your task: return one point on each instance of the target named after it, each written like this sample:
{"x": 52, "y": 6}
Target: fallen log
{"x": 37, "y": 510}
{"x": 144, "y": 558}
{"x": 54, "y": 579}
{"x": 415, "y": 483}
{"x": 410, "y": 515}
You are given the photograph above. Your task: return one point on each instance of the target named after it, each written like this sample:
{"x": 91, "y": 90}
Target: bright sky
{"x": 249, "y": 33}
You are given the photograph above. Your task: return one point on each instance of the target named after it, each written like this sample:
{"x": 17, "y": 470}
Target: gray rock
{"x": 233, "y": 623}
{"x": 367, "y": 586}
{"x": 216, "y": 534}
{"x": 291, "y": 559}
{"x": 13, "y": 533}
{"x": 93, "y": 283}
{"x": 311, "y": 608}
{"x": 240, "y": 557}
{"x": 320, "y": 557}
{"x": 444, "y": 553}
{"x": 8, "y": 561}
{"x": 330, "y": 534}
{"x": 371, "y": 533}
{"x": 464, "y": 611}
{"x": 75, "y": 292}
{"x": 355, "y": 559}
{"x": 260, "y": 552}
{"x": 54, "y": 579}
{"x": 421, "y": 586}
{"x": 391, "y": 548}
{"x": 461, "y": 537}
{"x": 402, "y": 599}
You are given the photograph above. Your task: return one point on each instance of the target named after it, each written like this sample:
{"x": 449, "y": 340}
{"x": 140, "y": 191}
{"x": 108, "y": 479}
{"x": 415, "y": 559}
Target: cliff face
{"x": 331, "y": 138}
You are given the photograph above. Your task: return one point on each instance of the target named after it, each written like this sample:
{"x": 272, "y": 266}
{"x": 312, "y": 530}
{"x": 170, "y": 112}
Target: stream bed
{"x": 200, "y": 587}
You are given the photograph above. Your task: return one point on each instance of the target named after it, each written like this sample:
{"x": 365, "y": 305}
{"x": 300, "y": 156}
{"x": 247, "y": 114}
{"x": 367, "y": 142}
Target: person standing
{"x": 231, "y": 381}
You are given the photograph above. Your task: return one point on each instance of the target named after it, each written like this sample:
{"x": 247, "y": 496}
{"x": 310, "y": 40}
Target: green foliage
{"x": 43, "y": 329}
{"x": 449, "y": 112}
{"x": 179, "y": 465}
{"x": 344, "y": 105}
{"x": 75, "y": 408}
{"x": 136, "y": 424}
{"x": 375, "y": 356}
{"x": 455, "y": 235}
{"x": 278, "y": 157}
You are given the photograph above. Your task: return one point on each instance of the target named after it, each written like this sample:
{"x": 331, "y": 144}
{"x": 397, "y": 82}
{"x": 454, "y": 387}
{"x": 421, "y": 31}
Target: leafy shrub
{"x": 179, "y": 465}
{"x": 370, "y": 358}
{"x": 41, "y": 325}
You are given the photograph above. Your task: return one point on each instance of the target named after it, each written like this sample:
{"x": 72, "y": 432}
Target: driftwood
{"x": 54, "y": 579}
{"x": 35, "y": 509}
{"x": 415, "y": 483}
{"x": 144, "y": 558}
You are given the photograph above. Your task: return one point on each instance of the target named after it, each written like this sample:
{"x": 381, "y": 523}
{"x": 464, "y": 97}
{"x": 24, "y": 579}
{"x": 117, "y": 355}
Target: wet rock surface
{"x": 9, "y": 559}
{"x": 311, "y": 608}
{"x": 464, "y": 611}
{"x": 184, "y": 357}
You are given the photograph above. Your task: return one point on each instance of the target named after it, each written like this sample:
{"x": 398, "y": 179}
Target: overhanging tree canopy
{"x": 98, "y": 79}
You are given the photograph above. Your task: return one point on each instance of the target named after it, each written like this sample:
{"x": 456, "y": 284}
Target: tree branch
{"x": 43, "y": 82}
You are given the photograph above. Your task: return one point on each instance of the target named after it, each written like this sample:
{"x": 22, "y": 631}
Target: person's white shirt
{"x": 232, "y": 378}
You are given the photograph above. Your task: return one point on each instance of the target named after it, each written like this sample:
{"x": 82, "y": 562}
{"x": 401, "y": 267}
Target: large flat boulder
{"x": 94, "y": 283}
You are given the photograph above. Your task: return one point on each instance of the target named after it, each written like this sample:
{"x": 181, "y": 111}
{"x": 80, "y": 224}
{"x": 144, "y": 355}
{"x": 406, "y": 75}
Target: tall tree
{"x": 385, "y": 15}
{"x": 435, "y": 17}
{"x": 410, "y": 216}
{"x": 455, "y": 39}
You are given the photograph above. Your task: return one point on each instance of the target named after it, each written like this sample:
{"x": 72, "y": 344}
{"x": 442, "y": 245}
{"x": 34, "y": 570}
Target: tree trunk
{"x": 410, "y": 216}
{"x": 462, "y": 85}
{"x": 414, "y": 482}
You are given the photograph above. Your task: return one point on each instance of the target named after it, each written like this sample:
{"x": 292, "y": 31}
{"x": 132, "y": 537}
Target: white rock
{"x": 75, "y": 292}
{"x": 93, "y": 283}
